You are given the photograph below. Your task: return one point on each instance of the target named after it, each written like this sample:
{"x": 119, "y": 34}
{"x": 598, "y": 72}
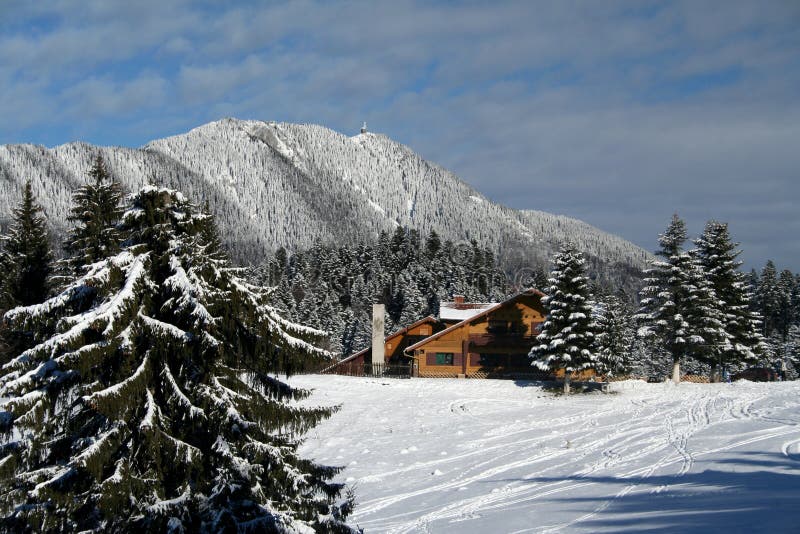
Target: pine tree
{"x": 96, "y": 209}
{"x": 150, "y": 401}
{"x": 26, "y": 260}
{"x": 414, "y": 303}
{"x": 785, "y": 315}
{"x": 567, "y": 339}
{"x": 331, "y": 323}
{"x": 677, "y": 303}
{"x": 615, "y": 335}
{"x": 432, "y": 245}
{"x": 348, "y": 333}
{"x": 768, "y": 297}
{"x": 716, "y": 255}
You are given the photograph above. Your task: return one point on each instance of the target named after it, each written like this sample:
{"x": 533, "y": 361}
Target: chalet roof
{"x": 484, "y": 312}
{"x": 455, "y": 311}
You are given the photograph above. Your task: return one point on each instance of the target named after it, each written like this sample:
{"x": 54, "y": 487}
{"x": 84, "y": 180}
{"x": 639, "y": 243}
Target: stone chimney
{"x": 458, "y": 300}
{"x": 378, "y": 314}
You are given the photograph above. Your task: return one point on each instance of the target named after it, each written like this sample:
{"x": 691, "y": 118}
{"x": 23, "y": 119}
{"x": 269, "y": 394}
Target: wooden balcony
{"x": 477, "y": 341}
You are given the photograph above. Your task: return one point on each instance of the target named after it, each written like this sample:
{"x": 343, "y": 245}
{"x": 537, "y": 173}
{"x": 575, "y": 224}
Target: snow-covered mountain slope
{"x": 277, "y": 184}
{"x": 476, "y": 456}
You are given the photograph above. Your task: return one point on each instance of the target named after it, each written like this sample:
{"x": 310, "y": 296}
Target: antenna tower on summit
{"x": 364, "y": 127}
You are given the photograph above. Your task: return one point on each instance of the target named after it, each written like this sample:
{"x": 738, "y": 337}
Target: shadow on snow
{"x": 760, "y": 493}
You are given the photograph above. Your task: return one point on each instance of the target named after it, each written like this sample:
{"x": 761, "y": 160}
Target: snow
{"x": 376, "y": 207}
{"x": 449, "y": 312}
{"x": 160, "y": 327}
{"x": 119, "y": 388}
{"x": 448, "y": 455}
{"x": 292, "y": 185}
{"x": 149, "y": 419}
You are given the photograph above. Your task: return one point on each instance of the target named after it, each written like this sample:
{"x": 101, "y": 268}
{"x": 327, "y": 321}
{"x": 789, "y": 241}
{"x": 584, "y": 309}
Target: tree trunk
{"x": 715, "y": 373}
{"x": 566, "y": 382}
{"x": 676, "y": 372}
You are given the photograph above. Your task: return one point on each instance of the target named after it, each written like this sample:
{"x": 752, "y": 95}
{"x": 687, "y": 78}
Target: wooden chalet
{"x": 476, "y": 340}
{"x": 495, "y": 341}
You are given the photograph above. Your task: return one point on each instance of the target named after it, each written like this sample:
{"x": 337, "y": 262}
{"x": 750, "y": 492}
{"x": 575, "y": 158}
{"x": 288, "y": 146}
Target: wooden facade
{"x": 495, "y": 342}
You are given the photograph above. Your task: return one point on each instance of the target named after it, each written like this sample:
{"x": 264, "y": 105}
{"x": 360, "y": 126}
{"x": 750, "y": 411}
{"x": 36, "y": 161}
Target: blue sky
{"x": 616, "y": 113}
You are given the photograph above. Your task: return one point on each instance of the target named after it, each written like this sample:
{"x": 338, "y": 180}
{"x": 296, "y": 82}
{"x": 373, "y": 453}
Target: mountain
{"x": 278, "y": 184}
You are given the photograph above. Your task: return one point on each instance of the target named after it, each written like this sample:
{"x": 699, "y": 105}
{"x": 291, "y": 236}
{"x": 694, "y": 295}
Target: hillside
{"x": 291, "y": 185}
{"x": 474, "y": 456}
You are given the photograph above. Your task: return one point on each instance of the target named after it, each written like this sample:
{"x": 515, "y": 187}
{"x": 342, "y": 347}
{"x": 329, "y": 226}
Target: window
{"x": 444, "y": 358}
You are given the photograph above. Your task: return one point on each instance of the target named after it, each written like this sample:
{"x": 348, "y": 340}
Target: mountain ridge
{"x": 276, "y": 184}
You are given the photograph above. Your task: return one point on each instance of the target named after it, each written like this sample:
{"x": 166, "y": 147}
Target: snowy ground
{"x": 485, "y": 456}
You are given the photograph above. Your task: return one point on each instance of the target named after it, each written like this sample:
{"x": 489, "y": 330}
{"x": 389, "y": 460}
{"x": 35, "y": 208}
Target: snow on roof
{"x": 450, "y": 311}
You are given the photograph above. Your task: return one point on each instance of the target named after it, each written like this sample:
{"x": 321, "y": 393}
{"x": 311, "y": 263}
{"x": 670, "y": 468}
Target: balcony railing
{"x": 501, "y": 340}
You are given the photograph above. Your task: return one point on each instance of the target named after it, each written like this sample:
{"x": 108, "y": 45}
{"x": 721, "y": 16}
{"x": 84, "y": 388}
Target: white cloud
{"x": 606, "y": 111}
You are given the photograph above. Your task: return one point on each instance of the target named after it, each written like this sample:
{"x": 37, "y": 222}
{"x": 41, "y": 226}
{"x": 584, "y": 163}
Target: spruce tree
{"x": 151, "y": 401}
{"x": 567, "y": 340}
{"x": 717, "y": 256}
{"x": 785, "y": 315}
{"x": 26, "y": 259}
{"x": 677, "y": 303}
{"x": 615, "y": 335}
{"x": 414, "y": 305}
{"x": 768, "y": 297}
{"x": 96, "y": 209}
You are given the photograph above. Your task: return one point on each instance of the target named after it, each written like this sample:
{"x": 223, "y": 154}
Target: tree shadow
{"x": 760, "y": 493}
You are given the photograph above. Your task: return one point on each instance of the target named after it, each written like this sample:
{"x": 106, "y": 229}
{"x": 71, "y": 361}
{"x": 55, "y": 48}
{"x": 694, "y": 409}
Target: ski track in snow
{"x": 428, "y": 455}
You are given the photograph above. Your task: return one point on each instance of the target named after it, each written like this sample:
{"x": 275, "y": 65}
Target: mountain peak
{"x": 274, "y": 184}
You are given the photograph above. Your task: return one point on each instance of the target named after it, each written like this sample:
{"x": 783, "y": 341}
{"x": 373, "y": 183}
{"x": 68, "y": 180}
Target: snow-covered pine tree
{"x": 567, "y": 339}
{"x": 414, "y": 304}
{"x": 347, "y": 335}
{"x": 708, "y": 340}
{"x": 615, "y": 335}
{"x": 785, "y": 311}
{"x": 150, "y": 401}
{"x": 96, "y": 210}
{"x": 768, "y": 297}
{"x": 432, "y": 245}
{"x": 676, "y": 305}
{"x": 26, "y": 259}
{"x": 717, "y": 256}
{"x": 330, "y": 321}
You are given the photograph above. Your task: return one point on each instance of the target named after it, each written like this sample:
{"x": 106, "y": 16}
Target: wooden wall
{"x": 497, "y": 343}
